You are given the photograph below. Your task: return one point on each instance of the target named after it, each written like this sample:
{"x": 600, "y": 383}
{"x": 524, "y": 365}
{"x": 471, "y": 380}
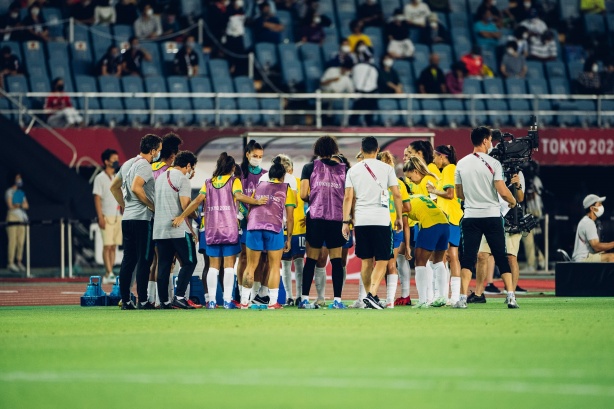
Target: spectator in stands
{"x": 313, "y": 32}
{"x": 456, "y": 77}
{"x": 589, "y": 80}
{"x": 235, "y": 33}
{"x": 37, "y": 31}
{"x": 521, "y": 37}
{"x": 186, "y": 60}
{"x": 513, "y": 64}
{"x": 543, "y": 48}
{"x": 435, "y": 32}
{"x": 442, "y": 6}
{"x": 489, "y": 5}
{"x": 337, "y": 78}
{"x": 83, "y": 12}
{"x": 10, "y": 21}
{"x": 588, "y": 247}
{"x": 474, "y": 62}
{"x": 520, "y": 10}
{"x": 170, "y": 24}
{"x": 216, "y": 20}
{"x": 62, "y": 113}
{"x": 357, "y": 36}
{"x": 487, "y": 33}
{"x": 534, "y": 24}
{"x": 148, "y": 25}
{"x": 416, "y": 13}
{"x": 344, "y": 54}
{"x": 364, "y": 53}
{"x": 592, "y": 6}
{"x": 267, "y": 27}
{"x": 111, "y": 62}
{"x": 9, "y": 64}
{"x": 133, "y": 57}
{"x": 370, "y": 14}
{"x": 312, "y": 11}
{"x": 104, "y": 13}
{"x": 607, "y": 77}
{"x": 17, "y": 204}
{"x": 432, "y": 80}
{"x": 127, "y": 12}
{"x": 365, "y": 78}
{"x": 397, "y": 31}
{"x": 388, "y": 78}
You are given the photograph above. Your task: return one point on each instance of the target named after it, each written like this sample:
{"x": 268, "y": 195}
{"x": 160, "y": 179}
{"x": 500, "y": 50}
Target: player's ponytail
{"x": 425, "y": 148}
{"x": 386, "y": 157}
{"x": 448, "y": 151}
{"x": 277, "y": 170}
{"x": 225, "y": 165}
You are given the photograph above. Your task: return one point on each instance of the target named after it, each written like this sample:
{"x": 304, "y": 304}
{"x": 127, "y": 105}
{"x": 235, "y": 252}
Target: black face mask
{"x": 60, "y": 88}
{"x": 115, "y": 166}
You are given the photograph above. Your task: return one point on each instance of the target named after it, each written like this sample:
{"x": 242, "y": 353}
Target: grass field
{"x": 552, "y": 352}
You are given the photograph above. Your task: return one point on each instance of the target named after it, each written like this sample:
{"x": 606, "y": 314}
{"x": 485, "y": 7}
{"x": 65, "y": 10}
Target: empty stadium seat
{"x": 433, "y": 105}
{"x": 462, "y": 45}
{"x": 273, "y": 104}
{"x": 157, "y": 84}
{"x": 226, "y": 86}
{"x": 218, "y": 68}
{"x": 589, "y": 119}
{"x": 535, "y": 70}
{"x": 121, "y": 34}
{"x": 607, "y": 106}
{"x": 313, "y": 73}
{"x": 134, "y": 84}
{"x": 477, "y": 116}
{"x": 516, "y": 86}
{"x": 246, "y": 85}
{"x": 57, "y": 51}
{"x": 101, "y": 40}
{"x": 110, "y": 83}
{"x": 403, "y": 68}
{"x": 472, "y": 86}
{"x": 329, "y": 49}
{"x": 81, "y": 32}
{"x": 459, "y": 20}
{"x": 498, "y": 105}
{"x": 385, "y": 106}
{"x": 292, "y": 72}
{"x": 412, "y": 118}
{"x": 201, "y": 85}
{"x": 555, "y": 69}
{"x": 288, "y": 52}
{"x": 568, "y": 119}
{"x": 595, "y": 24}
{"x": 559, "y": 86}
{"x": 153, "y": 67}
{"x": 457, "y": 6}
{"x": 179, "y": 84}
{"x": 191, "y": 8}
{"x": 521, "y": 111}
{"x": 86, "y": 83}
{"x": 286, "y": 19}
{"x": 34, "y": 58}
{"x": 266, "y": 54}
{"x": 493, "y": 86}
{"x": 454, "y": 119}
{"x": 575, "y": 68}
{"x": 39, "y": 84}
{"x": 52, "y": 17}
{"x": 377, "y": 39}
{"x": 311, "y": 52}
{"x": 82, "y": 62}
{"x": 388, "y": 7}
{"x": 569, "y": 9}
{"x": 421, "y": 59}
{"x": 537, "y": 86}
{"x": 445, "y": 56}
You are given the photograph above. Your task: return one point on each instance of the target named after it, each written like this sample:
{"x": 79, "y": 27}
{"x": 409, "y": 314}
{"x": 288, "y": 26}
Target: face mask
{"x": 115, "y": 166}
{"x": 149, "y": 12}
{"x": 434, "y": 25}
{"x": 595, "y": 68}
{"x": 35, "y": 12}
{"x": 511, "y": 51}
{"x": 525, "y": 36}
{"x": 388, "y": 62}
{"x": 239, "y": 4}
{"x": 346, "y": 49}
{"x": 255, "y": 162}
{"x": 190, "y": 44}
{"x": 317, "y": 20}
{"x": 527, "y": 4}
{"x": 60, "y": 87}
{"x": 599, "y": 211}
{"x": 14, "y": 15}
{"x": 190, "y": 174}
{"x": 19, "y": 184}
{"x": 157, "y": 157}
{"x": 399, "y": 17}
{"x": 362, "y": 49}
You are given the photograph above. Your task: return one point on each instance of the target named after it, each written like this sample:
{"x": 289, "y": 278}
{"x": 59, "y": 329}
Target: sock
{"x": 212, "y": 278}
{"x": 304, "y": 298}
{"x": 441, "y": 276}
{"x": 345, "y": 274}
{"x": 362, "y": 293}
{"x": 206, "y": 297}
{"x": 157, "y": 301}
{"x": 337, "y": 265}
{"x": 455, "y": 284}
{"x": 448, "y": 275}
{"x": 421, "y": 283}
{"x": 264, "y": 291}
{"x": 338, "y": 299}
{"x": 299, "y": 264}
{"x": 286, "y": 277}
{"x": 229, "y": 282}
{"x": 391, "y": 287}
{"x": 151, "y": 291}
{"x": 245, "y": 294}
{"x": 510, "y": 294}
{"x": 320, "y": 277}
{"x": 308, "y": 273}
{"x": 404, "y": 275}
{"x": 255, "y": 289}
{"x": 429, "y": 283}
{"x": 463, "y": 297}
{"x": 274, "y": 294}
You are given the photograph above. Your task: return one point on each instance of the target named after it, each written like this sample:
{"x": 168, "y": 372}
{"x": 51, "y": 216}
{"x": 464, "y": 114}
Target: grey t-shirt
{"x": 478, "y": 176}
{"x": 514, "y": 64}
{"x": 587, "y": 230}
{"x": 168, "y": 205}
{"x": 135, "y": 209}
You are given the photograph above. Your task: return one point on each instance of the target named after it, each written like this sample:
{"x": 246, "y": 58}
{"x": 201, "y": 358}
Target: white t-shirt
{"x": 288, "y": 178}
{"x": 505, "y": 207}
{"x": 587, "y": 231}
{"x": 364, "y": 77}
{"x": 478, "y": 180}
{"x": 369, "y": 210}
{"x": 102, "y": 188}
{"x": 342, "y": 85}
{"x": 417, "y": 14}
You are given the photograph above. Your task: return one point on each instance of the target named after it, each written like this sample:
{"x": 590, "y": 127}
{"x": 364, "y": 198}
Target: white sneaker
{"x": 21, "y": 267}
{"x": 460, "y": 304}
{"x": 13, "y": 268}
{"x": 511, "y": 302}
{"x": 108, "y": 280}
{"x": 357, "y": 304}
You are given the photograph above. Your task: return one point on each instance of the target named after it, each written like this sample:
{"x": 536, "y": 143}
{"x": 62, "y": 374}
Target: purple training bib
{"x": 270, "y": 216}
{"x": 327, "y": 188}
{"x": 221, "y": 215}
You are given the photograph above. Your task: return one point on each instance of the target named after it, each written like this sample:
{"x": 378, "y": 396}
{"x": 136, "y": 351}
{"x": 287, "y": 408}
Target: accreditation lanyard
{"x": 168, "y": 179}
{"x": 492, "y": 171}
{"x": 384, "y": 200}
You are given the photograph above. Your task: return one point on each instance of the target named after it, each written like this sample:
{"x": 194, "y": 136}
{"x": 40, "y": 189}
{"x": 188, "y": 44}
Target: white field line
{"x": 8, "y": 291}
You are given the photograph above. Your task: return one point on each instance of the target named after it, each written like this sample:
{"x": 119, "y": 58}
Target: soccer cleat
{"x": 440, "y": 302}
{"x": 194, "y": 304}
{"x": 511, "y": 302}
{"x": 236, "y": 303}
{"x": 421, "y": 306}
{"x": 259, "y": 306}
{"x": 276, "y": 306}
{"x": 128, "y": 306}
{"x": 289, "y": 302}
{"x": 297, "y": 301}
{"x": 22, "y": 268}
{"x": 320, "y": 303}
{"x": 403, "y": 301}
{"x": 181, "y": 304}
{"x": 390, "y": 305}
{"x": 168, "y": 306}
{"x": 491, "y": 289}
{"x": 146, "y": 306}
{"x": 460, "y": 304}
{"x": 520, "y": 290}
{"x": 476, "y": 299}
{"x": 337, "y": 305}
{"x": 372, "y": 302}
{"x": 229, "y": 306}
{"x": 258, "y": 300}
{"x": 211, "y": 305}
{"x": 357, "y": 304}
{"x": 305, "y": 305}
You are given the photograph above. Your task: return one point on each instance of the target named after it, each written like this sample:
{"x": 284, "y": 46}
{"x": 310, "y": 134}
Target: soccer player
{"x": 434, "y": 233}
{"x": 219, "y": 195}
{"x": 322, "y": 185}
{"x": 265, "y": 232}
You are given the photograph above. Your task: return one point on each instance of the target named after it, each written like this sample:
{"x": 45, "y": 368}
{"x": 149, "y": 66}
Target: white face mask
{"x": 346, "y": 49}
{"x": 255, "y": 162}
{"x": 595, "y": 68}
{"x": 527, "y": 4}
{"x": 399, "y": 17}
{"x": 511, "y": 51}
{"x": 434, "y": 25}
{"x": 525, "y": 36}
{"x": 599, "y": 211}
{"x": 157, "y": 157}
{"x": 388, "y": 62}
{"x": 149, "y": 12}
{"x": 190, "y": 174}
{"x": 14, "y": 15}
{"x": 239, "y": 3}
{"x": 35, "y": 12}
{"x": 362, "y": 48}
{"x": 317, "y": 20}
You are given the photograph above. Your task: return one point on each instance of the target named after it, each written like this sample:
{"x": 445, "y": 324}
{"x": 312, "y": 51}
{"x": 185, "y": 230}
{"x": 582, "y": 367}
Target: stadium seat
{"x": 559, "y": 86}
{"x": 326, "y": 8}
{"x": 545, "y": 105}
{"x": 344, "y": 25}
{"x": 388, "y": 7}
{"x": 346, "y": 7}
{"x": 403, "y": 68}
{"x": 292, "y": 71}
{"x": 569, "y": 9}
{"x": 61, "y": 69}
{"x": 134, "y": 84}
{"x": 18, "y": 84}
{"x": 218, "y": 68}
{"x": 86, "y": 83}
{"x": 411, "y": 118}
{"x": 458, "y": 6}
{"x": 111, "y": 84}
{"x": 521, "y": 111}
{"x": 52, "y": 17}
{"x": 82, "y": 63}
{"x": 288, "y": 52}
{"x": 498, "y": 105}
{"x": 34, "y": 58}
{"x": 377, "y": 39}
{"x": 493, "y": 86}
{"x": 101, "y": 40}
{"x": 273, "y": 104}
{"x": 442, "y": 18}
{"x": 313, "y": 73}
{"x": 226, "y": 86}
{"x": 607, "y": 106}
{"x": 575, "y": 68}
{"x": 462, "y": 44}
{"x": 421, "y": 59}
{"x": 39, "y": 84}
{"x": 332, "y": 36}
{"x": 595, "y": 24}
{"x": 445, "y": 56}
{"x": 490, "y": 59}
{"x": 329, "y": 49}
{"x": 153, "y": 67}
{"x": 479, "y": 116}
{"x": 311, "y": 52}
{"x": 386, "y": 105}
{"x": 245, "y": 85}
{"x": 57, "y": 51}
{"x": 266, "y": 54}
{"x": 455, "y": 119}
{"x": 122, "y": 33}
{"x": 200, "y": 85}
{"x": 248, "y": 39}
{"x": 587, "y": 119}
{"x": 286, "y": 19}
{"x": 191, "y": 8}
{"x": 568, "y": 119}
{"x": 535, "y": 70}
{"x": 472, "y": 86}
{"x": 179, "y": 84}
{"x": 538, "y": 86}
{"x": 472, "y": 5}
{"x": 459, "y": 20}
{"x": 516, "y": 86}
{"x": 15, "y": 49}
{"x": 81, "y": 32}
{"x": 433, "y": 105}
{"x": 555, "y": 69}
{"x": 157, "y": 84}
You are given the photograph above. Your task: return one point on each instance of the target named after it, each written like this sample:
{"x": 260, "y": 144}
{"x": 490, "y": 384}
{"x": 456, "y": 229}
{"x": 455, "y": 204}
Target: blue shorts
{"x": 397, "y": 239}
{"x": 297, "y": 249}
{"x": 242, "y": 237}
{"x": 434, "y": 238}
{"x": 348, "y": 244}
{"x": 264, "y": 240}
{"x": 454, "y": 235}
{"x": 223, "y": 250}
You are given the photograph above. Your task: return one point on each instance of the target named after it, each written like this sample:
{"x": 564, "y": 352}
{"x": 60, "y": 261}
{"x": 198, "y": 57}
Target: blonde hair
{"x": 286, "y": 161}
{"x": 417, "y": 164}
{"x": 386, "y": 157}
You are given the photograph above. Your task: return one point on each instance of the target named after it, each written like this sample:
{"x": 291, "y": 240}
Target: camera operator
{"x": 478, "y": 179}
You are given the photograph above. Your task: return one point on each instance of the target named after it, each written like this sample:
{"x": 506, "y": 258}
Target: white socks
{"x": 455, "y": 284}
{"x": 264, "y": 291}
{"x": 255, "y": 289}
{"x": 391, "y": 288}
{"x": 212, "y": 278}
{"x": 286, "y": 277}
{"x": 274, "y": 294}
{"x": 151, "y": 291}
{"x": 430, "y": 294}
{"x": 362, "y": 293}
{"x": 245, "y": 295}
{"x": 299, "y": 264}
{"x": 422, "y": 284}
{"x": 404, "y": 275}
{"x": 229, "y": 283}
{"x": 320, "y": 279}
{"x": 441, "y": 277}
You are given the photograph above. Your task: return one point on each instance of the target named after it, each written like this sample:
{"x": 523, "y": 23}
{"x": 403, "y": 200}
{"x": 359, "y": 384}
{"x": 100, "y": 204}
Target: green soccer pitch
{"x": 551, "y": 353}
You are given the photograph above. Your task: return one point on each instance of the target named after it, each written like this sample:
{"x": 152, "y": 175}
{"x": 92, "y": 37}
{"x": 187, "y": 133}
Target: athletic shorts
{"x": 320, "y": 231}
{"x": 454, "y": 235}
{"x": 223, "y": 250}
{"x": 348, "y": 244}
{"x": 112, "y": 233}
{"x": 397, "y": 239}
{"x": 264, "y": 240}
{"x": 242, "y": 237}
{"x": 373, "y": 242}
{"x": 297, "y": 249}
{"x": 512, "y": 244}
{"x": 434, "y": 238}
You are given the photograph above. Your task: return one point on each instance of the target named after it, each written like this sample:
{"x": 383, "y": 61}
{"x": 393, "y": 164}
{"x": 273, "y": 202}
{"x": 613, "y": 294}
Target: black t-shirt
{"x": 184, "y": 59}
{"x": 133, "y": 61}
{"x": 369, "y": 10}
{"x": 110, "y": 62}
{"x": 126, "y": 13}
{"x": 398, "y": 32}
{"x": 308, "y": 168}
{"x": 384, "y": 78}
{"x": 82, "y": 12}
{"x": 432, "y": 78}
{"x": 11, "y": 63}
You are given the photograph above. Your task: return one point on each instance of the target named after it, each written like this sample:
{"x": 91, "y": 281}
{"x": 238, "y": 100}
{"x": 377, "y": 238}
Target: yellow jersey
{"x": 404, "y": 199}
{"x": 451, "y": 207}
{"x": 434, "y": 170}
{"x": 299, "y": 211}
{"x": 425, "y": 211}
{"x": 412, "y": 190}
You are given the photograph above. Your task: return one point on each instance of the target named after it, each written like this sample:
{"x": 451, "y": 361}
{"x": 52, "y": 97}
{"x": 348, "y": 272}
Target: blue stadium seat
{"x": 458, "y": 6}
{"x": 568, "y": 119}
{"x": 459, "y": 20}
{"x": 454, "y": 105}
{"x": 490, "y": 59}
{"x": 292, "y": 72}
{"x": 521, "y": 111}
{"x": 201, "y": 84}
{"x": 546, "y": 119}
{"x": 82, "y": 62}
{"x": 538, "y": 86}
{"x": 4, "y": 6}
{"x": 34, "y": 58}
{"x": 344, "y": 25}
{"x": 311, "y": 52}
{"x": 516, "y": 86}
{"x": 388, "y": 7}
{"x": 81, "y": 32}
{"x": 445, "y": 56}
{"x": 442, "y": 18}
{"x": 110, "y": 83}
{"x": 498, "y": 105}
{"x": 332, "y": 36}
{"x": 273, "y": 104}
{"x": 421, "y": 59}
{"x": 377, "y": 39}
{"x": 15, "y": 49}
{"x": 462, "y": 44}
{"x": 535, "y": 70}
{"x": 52, "y": 17}
{"x": 86, "y": 83}
{"x": 493, "y": 86}
{"x": 286, "y": 19}
{"x": 472, "y": 5}
{"x": 595, "y": 24}
{"x": 346, "y": 7}
{"x": 5, "y": 106}
{"x": 559, "y": 86}
{"x": 57, "y": 51}
{"x": 266, "y": 54}
{"x": 403, "y": 68}
{"x": 101, "y": 40}
{"x": 587, "y": 119}
{"x": 575, "y": 68}
{"x": 226, "y": 86}
{"x": 39, "y": 84}
{"x": 329, "y": 49}
{"x": 245, "y": 85}
{"x": 555, "y": 69}
{"x": 178, "y": 84}
{"x": 191, "y": 8}
{"x": 479, "y": 117}
{"x": 313, "y": 73}
{"x": 218, "y": 68}
{"x": 569, "y": 9}
{"x": 122, "y": 33}
{"x": 153, "y": 67}
{"x": 157, "y": 84}
{"x": 169, "y": 49}
{"x": 134, "y": 83}
{"x": 326, "y": 8}
{"x": 288, "y": 52}
{"x": 472, "y": 86}
{"x": 412, "y": 118}
{"x": 386, "y": 105}
{"x": 248, "y": 39}
{"x": 608, "y": 106}
{"x": 61, "y": 68}
{"x": 433, "y": 105}
{"x": 18, "y": 83}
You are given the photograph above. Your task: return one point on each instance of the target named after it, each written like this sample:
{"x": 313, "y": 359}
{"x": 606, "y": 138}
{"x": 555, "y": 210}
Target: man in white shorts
{"x": 588, "y": 248}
